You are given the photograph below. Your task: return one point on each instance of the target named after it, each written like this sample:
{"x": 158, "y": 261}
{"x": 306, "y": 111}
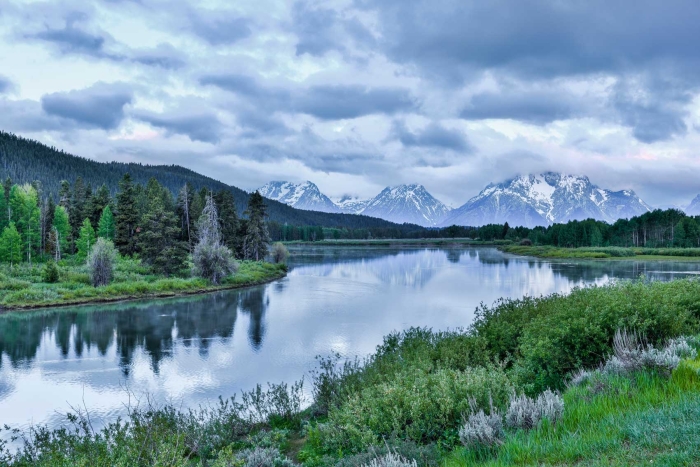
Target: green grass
{"x": 22, "y": 287}
{"x": 614, "y": 253}
{"x": 623, "y": 421}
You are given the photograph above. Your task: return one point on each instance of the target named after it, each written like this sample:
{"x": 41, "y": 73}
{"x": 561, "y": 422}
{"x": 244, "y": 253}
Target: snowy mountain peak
{"x": 407, "y": 204}
{"x": 542, "y": 199}
{"x": 693, "y": 209}
{"x": 351, "y": 204}
{"x": 304, "y": 195}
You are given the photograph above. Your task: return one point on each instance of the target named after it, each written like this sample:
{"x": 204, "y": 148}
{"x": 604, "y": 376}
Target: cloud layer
{"x": 357, "y": 95}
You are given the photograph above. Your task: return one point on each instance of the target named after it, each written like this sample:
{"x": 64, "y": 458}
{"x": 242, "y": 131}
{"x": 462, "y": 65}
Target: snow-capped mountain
{"x": 543, "y": 199}
{"x": 407, "y": 203}
{"x": 693, "y": 208}
{"x": 299, "y": 195}
{"x": 351, "y": 204}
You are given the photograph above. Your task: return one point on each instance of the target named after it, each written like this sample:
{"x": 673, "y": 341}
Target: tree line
{"x": 654, "y": 229}
{"x": 141, "y": 220}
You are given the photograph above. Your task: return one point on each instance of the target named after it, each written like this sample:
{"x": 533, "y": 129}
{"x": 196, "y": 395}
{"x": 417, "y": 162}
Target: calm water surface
{"x": 189, "y": 351}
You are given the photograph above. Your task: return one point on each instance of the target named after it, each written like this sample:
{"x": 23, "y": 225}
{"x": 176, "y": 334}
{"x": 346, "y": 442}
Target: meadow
{"x": 24, "y": 285}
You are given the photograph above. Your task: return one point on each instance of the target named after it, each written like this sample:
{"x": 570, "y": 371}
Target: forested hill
{"x": 24, "y": 160}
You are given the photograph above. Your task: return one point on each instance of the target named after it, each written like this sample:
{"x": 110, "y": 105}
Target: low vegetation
{"x": 602, "y": 376}
{"x": 24, "y": 286}
{"x": 612, "y": 252}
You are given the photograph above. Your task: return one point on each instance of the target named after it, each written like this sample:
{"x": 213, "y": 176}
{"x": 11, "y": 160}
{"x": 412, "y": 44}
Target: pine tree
{"x": 64, "y": 195}
{"x": 100, "y": 200}
{"x": 11, "y": 245}
{"x": 106, "y": 227}
{"x": 76, "y": 214}
{"x": 126, "y": 218}
{"x": 86, "y": 239}
{"x": 228, "y": 218}
{"x": 4, "y": 208}
{"x": 7, "y": 187}
{"x": 159, "y": 243}
{"x": 185, "y": 199}
{"x": 257, "y": 238}
{"x": 61, "y": 230}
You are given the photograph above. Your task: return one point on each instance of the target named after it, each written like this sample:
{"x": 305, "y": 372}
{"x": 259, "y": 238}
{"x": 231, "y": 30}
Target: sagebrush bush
{"x": 279, "y": 253}
{"x": 481, "y": 429}
{"x": 100, "y": 262}
{"x": 526, "y": 413}
{"x": 253, "y": 457}
{"x": 413, "y": 404}
{"x": 213, "y": 262}
{"x": 391, "y": 459}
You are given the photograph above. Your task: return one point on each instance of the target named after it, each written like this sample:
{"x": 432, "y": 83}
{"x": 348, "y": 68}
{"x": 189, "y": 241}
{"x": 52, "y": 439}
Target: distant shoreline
{"x": 604, "y": 253}
{"x": 401, "y": 242}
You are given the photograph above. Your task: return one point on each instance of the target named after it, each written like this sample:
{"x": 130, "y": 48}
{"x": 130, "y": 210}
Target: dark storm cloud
{"x": 432, "y": 136}
{"x": 99, "y": 106}
{"x": 529, "y": 106}
{"x": 349, "y": 101}
{"x": 203, "y": 126}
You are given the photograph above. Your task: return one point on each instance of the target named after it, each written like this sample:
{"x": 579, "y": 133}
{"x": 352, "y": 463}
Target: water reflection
{"x": 191, "y": 350}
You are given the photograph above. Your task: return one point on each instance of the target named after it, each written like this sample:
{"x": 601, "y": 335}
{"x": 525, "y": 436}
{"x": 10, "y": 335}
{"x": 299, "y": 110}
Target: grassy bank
{"x": 404, "y": 242}
{"x": 420, "y": 391}
{"x": 619, "y": 253}
{"x": 22, "y": 286}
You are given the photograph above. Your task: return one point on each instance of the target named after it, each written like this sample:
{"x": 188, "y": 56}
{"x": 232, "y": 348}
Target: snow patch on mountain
{"x": 407, "y": 204}
{"x": 543, "y": 199}
{"x": 305, "y": 196}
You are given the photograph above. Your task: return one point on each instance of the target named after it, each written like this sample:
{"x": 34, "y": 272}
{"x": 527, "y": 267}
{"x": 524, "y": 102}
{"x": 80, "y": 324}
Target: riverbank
{"x": 422, "y": 393}
{"x": 607, "y": 253}
{"x": 22, "y": 288}
{"x": 399, "y": 242}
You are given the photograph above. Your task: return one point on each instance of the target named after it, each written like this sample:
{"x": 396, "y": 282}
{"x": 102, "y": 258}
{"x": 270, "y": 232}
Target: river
{"x": 188, "y": 351}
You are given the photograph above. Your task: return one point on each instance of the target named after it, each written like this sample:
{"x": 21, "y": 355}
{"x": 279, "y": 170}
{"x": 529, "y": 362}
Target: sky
{"x": 356, "y": 95}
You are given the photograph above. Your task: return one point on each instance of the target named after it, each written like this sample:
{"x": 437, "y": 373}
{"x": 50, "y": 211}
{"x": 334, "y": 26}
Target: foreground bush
{"x": 279, "y": 253}
{"x": 101, "y": 262}
{"x": 556, "y": 335}
{"x": 414, "y": 404}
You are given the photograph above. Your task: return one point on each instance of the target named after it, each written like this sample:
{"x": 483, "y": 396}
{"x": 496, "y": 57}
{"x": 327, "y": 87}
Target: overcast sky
{"x": 358, "y": 95}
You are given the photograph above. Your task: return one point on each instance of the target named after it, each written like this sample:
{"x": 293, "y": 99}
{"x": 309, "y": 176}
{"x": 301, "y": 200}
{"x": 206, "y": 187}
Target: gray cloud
{"x": 342, "y": 102}
{"x": 432, "y": 136}
{"x": 27, "y": 116}
{"x": 99, "y": 106}
{"x": 70, "y": 39}
{"x": 537, "y": 37}
{"x": 201, "y": 126}
{"x": 320, "y": 30}
{"x": 6, "y": 86}
{"x": 163, "y": 56}
{"x": 529, "y": 106}
{"x": 219, "y": 27}
{"x": 654, "y": 108}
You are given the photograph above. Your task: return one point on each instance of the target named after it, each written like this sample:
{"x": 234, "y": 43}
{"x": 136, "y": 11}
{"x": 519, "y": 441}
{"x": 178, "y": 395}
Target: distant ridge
{"x": 25, "y": 161}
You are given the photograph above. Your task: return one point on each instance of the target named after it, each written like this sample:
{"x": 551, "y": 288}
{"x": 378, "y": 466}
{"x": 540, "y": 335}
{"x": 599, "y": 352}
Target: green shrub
{"x": 50, "y": 273}
{"x": 414, "y": 404}
{"x": 31, "y": 295}
{"x": 552, "y": 336}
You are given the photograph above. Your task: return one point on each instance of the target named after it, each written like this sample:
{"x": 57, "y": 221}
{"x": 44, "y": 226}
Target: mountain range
{"x": 528, "y": 200}
{"x": 403, "y": 204}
